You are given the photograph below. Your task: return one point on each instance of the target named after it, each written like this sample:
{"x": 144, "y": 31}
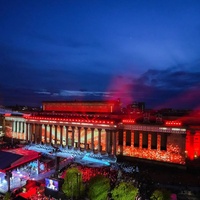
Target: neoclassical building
{"x": 101, "y": 127}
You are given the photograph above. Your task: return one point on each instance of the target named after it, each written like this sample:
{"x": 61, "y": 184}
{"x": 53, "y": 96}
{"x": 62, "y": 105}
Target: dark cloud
{"x": 172, "y": 87}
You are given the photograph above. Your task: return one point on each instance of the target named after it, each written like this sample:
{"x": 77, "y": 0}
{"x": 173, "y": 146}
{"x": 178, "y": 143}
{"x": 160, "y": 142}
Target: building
{"x": 99, "y": 126}
{"x": 136, "y": 107}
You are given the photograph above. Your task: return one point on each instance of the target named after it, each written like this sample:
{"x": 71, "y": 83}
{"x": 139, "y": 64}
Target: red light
{"x": 128, "y": 121}
{"x": 69, "y": 119}
{"x": 175, "y": 123}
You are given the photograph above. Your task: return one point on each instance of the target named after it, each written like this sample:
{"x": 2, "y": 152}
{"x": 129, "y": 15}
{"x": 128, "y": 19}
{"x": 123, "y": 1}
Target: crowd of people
{"x": 89, "y": 172}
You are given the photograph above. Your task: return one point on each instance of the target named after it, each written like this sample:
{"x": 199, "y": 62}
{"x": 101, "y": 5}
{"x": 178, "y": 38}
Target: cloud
{"x": 23, "y": 81}
{"x": 77, "y": 93}
{"x": 174, "y": 78}
{"x": 172, "y": 87}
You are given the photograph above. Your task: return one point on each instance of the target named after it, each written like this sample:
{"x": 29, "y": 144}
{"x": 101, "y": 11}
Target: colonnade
{"x": 143, "y": 139}
{"x": 150, "y": 144}
{"x": 93, "y": 138}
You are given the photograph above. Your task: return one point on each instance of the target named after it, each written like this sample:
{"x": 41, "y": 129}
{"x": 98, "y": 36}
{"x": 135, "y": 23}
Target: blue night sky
{"x": 135, "y": 50}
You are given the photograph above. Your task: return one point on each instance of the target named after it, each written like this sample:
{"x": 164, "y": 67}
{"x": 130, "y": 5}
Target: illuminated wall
{"x": 15, "y": 130}
{"x": 91, "y": 107}
{"x": 172, "y": 147}
{"x": 85, "y": 136}
{"x": 193, "y": 144}
{"x": 197, "y": 144}
{"x": 174, "y": 153}
{"x": 8, "y": 129}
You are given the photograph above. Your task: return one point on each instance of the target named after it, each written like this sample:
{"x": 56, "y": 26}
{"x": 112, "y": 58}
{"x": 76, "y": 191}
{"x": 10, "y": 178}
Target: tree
{"x": 99, "y": 187}
{"x": 124, "y": 191}
{"x": 73, "y": 184}
{"x": 161, "y": 194}
{"x": 7, "y": 196}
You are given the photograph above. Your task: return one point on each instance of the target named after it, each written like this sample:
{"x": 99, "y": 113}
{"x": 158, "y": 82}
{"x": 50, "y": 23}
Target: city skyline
{"x": 90, "y": 50}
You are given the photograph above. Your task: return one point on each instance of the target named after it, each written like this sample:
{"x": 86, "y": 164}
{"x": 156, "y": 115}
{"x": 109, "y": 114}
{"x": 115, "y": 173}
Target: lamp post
{"x": 71, "y": 183}
{"x": 78, "y": 183}
{"x": 8, "y": 176}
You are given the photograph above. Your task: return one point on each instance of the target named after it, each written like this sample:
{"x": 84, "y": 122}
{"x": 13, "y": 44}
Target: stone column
{"x": 17, "y": 131}
{"x": 114, "y": 142}
{"x": 149, "y": 141}
{"x": 19, "y": 127}
{"x": 117, "y": 140}
{"x": 27, "y": 131}
{"x": 32, "y": 132}
{"x": 55, "y": 126}
{"x": 50, "y": 133}
{"x": 158, "y": 141}
{"x": 79, "y": 137}
{"x": 21, "y": 131}
{"x": 67, "y": 142}
{"x": 36, "y": 133}
{"x": 61, "y": 135}
{"x": 92, "y": 139}
{"x": 85, "y": 129}
{"x": 132, "y": 139}
{"x": 45, "y": 133}
{"x": 140, "y": 140}
{"x": 13, "y": 126}
{"x": 108, "y": 141}
{"x": 24, "y": 132}
{"x": 99, "y": 140}
{"x": 40, "y": 133}
{"x": 73, "y": 129}
{"x": 124, "y": 138}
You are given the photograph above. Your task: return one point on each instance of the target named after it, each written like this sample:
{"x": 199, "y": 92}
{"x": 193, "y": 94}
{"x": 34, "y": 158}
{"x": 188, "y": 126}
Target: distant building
{"x": 136, "y": 107}
{"x": 102, "y": 128}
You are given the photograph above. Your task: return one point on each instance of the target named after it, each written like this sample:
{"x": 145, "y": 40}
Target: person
{"x": 51, "y": 185}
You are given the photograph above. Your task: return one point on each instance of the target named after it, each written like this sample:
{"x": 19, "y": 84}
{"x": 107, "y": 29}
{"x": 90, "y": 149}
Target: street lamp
{"x": 78, "y": 183}
{"x": 71, "y": 188}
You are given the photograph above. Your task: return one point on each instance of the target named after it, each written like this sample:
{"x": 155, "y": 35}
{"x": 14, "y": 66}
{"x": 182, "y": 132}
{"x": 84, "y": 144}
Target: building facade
{"x": 101, "y": 127}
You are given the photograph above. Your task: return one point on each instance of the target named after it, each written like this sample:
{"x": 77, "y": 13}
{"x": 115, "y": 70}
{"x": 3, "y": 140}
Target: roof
{"x": 78, "y": 101}
{"x": 7, "y": 158}
{"x": 13, "y": 158}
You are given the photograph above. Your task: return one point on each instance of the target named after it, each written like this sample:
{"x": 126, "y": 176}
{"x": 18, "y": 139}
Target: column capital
{"x": 92, "y": 129}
